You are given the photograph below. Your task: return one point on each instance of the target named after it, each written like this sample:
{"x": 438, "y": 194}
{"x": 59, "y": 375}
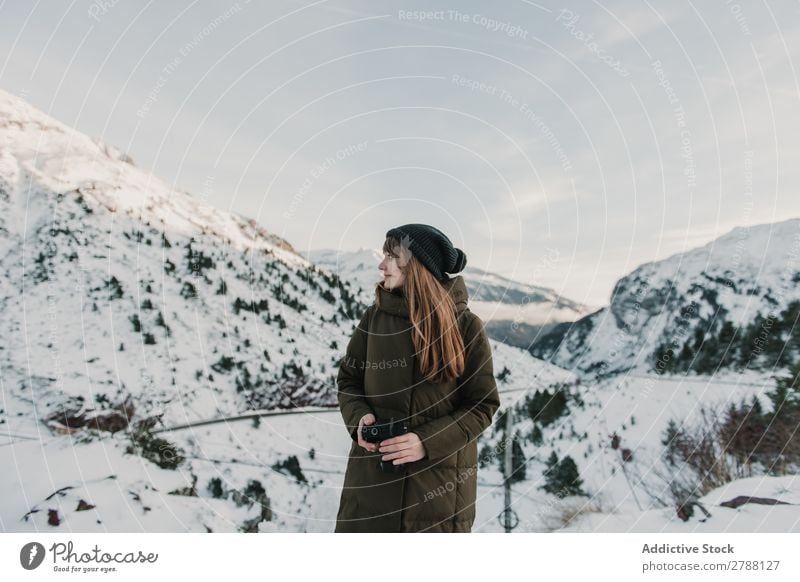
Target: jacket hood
{"x": 395, "y": 302}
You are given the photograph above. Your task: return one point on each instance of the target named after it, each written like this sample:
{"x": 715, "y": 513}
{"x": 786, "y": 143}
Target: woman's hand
{"x": 403, "y": 449}
{"x": 366, "y": 419}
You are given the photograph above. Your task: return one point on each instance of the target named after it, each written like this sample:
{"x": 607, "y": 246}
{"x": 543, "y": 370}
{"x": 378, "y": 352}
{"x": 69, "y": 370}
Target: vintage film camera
{"x": 380, "y": 431}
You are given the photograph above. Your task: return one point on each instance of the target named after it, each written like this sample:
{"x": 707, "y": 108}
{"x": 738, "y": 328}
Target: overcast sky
{"x": 561, "y": 144}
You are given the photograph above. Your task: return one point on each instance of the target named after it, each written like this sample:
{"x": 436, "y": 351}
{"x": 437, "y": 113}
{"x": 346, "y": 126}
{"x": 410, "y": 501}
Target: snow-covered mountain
{"x": 732, "y": 303}
{"x": 514, "y": 313}
{"x": 118, "y": 287}
{"x": 359, "y": 267}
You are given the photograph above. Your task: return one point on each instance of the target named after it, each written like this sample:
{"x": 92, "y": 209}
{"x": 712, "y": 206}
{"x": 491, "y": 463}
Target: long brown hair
{"x": 434, "y": 326}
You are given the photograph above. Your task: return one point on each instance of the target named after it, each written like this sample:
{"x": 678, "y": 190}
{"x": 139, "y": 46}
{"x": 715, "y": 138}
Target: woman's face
{"x": 392, "y": 275}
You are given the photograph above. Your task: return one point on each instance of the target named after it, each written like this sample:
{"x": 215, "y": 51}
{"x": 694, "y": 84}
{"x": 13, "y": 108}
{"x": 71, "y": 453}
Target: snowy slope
{"x": 359, "y": 267}
{"x": 117, "y": 286}
{"x": 637, "y": 410}
{"x": 748, "y": 518}
{"x": 132, "y": 494}
{"x": 747, "y": 273}
{"x": 41, "y": 156}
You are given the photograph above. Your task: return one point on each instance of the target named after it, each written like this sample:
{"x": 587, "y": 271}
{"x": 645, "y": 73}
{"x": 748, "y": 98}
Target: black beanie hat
{"x": 431, "y": 247}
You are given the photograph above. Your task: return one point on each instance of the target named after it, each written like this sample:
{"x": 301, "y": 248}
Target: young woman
{"x": 418, "y": 356}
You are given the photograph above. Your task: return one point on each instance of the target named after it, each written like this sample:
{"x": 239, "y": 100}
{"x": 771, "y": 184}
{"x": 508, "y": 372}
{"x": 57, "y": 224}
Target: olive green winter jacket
{"x": 379, "y": 374}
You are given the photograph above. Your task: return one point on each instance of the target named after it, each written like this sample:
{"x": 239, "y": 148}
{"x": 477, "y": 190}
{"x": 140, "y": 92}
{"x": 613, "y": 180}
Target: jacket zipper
{"x": 405, "y": 467}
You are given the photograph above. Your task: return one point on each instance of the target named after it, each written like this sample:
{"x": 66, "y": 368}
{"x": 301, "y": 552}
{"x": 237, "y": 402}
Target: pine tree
{"x": 536, "y": 436}
{"x": 562, "y": 477}
{"x": 545, "y": 407}
{"x": 137, "y": 325}
{"x": 551, "y": 468}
